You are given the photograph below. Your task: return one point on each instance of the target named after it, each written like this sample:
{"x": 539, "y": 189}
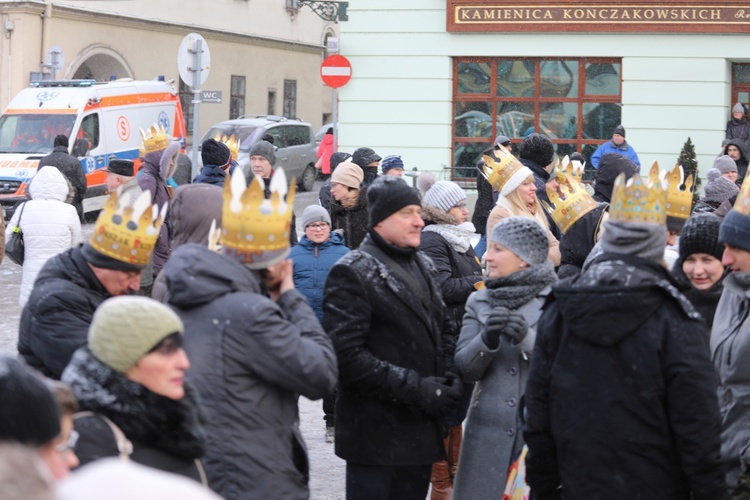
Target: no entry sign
{"x": 336, "y": 71}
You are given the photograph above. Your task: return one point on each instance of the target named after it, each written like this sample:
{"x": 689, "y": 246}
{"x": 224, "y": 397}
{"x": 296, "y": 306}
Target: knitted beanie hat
{"x": 719, "y": 188}
{"x": 315, "y": 213}
{"x": 337, "y": 158}
{"x": 264, "y": 149}
{"x": 523, "y": 236}
{"x": 391, "y": 161}
{"x": 620, "y": 130}
{"x": 738, "y": 107}
{"x": 444, "y": 195}
{"x": 214, "y": 153}
{"x": 735, "y": 230}
{"x": 725, "y": 164}
{"x": 701, "y": 235}
{"x": 349, "y": 174}
{"x": 537, "y": 148}
{"x": 516, "y": 180}
{"x": 126, "y": 328}
{"x": 387, "y": 195}
{"x": 29, "y": 414}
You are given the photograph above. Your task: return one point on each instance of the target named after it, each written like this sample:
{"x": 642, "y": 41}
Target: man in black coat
{"x": 621, "y": 396}
{"x": 383, "y": 309}
{"x": 537, "y": 153}
{"x": 71, "y": 168}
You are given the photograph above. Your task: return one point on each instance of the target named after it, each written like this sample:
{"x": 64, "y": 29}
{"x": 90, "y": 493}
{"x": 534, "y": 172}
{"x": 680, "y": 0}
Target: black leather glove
{"x": 496, "y": 322}
{"x": 435, "y": 397}
{"x": 516, "y": 328}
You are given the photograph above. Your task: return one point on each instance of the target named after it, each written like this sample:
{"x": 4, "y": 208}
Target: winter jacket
{"x": 211, "y": 174}
{"x": 580, "y": 239}
{"x": 730, "y": 346}
{"x": 620, "y": 400}
{"x": 485, "y": 200}
{"x": 623, "y": 149}
{"x": 611, "y": 166}
{"x": 457, "y": 272}
{"x": 386, "y": 341}
{"x": 324, "y": 195}
{"x": 740, "y": 130}
{"x": 312, "y": 262}
{"x": 72, "y": 169}
{"x": 325, "y": 150}
{"x": 152, "y": 177}
{"x": 492, "y": 436}
{"x": 742, "y": 162}
{"x": 49, "y": 225}
{"x": 190, "y": 225}
{"x": 352, "y": 220}
{"x": 165, "y": 434}
{"x": 251, "y": 358}
{"x": 501, "y": 212}
{"x": 55, "y": 321}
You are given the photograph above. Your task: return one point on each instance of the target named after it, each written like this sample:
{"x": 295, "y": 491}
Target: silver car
{"x": 293, "y": 139}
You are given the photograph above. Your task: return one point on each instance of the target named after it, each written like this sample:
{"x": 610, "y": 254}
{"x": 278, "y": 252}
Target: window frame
{"x": 237, "y": 99}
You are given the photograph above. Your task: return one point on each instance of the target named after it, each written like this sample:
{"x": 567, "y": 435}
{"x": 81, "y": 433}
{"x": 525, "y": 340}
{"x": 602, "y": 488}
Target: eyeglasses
{"x": 318, "y": 227}
{"x": 69, "y": 445}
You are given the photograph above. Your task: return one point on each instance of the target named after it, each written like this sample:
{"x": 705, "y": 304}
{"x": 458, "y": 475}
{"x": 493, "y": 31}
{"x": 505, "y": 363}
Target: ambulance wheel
{"x": 307, "y": 180}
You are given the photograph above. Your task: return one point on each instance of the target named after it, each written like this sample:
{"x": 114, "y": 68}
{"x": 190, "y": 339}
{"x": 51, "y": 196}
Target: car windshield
{"x": 245, "y": 134}
{"x": 33, "y": 133}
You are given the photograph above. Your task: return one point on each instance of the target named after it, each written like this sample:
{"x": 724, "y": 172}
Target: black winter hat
{"x": 701, "y": 235}
{"x": 537, "y": 148}
{"x": 126, "y": 168}
{"x": 339, "y": 157}
{"x": 214, "y": 153}
{"x": 365, "y": 156}
{"x": 29, "y": 413}
{"x": 610, "y": 166}
{"x": 619, "y": 130}
{"x": 735, "y": 230}
{"x": 387, "y": 195}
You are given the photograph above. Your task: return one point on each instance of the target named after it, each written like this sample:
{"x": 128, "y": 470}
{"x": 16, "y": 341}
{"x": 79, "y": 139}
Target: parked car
{"x": 292, "y": 138}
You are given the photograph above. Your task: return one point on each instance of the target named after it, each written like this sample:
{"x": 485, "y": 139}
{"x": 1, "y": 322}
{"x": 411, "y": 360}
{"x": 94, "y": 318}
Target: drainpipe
{"x": 46, "y": 21}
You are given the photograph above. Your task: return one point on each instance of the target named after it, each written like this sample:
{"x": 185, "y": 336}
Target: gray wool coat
{"x": 492, "y": 434}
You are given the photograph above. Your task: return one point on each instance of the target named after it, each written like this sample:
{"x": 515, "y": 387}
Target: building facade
{"x": 437, "y": 81}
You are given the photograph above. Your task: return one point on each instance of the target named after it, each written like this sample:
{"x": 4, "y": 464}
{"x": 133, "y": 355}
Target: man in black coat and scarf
{"x": 621, "y": 396}
{"x": 71, "y": 168}
{"x": 383, "y": 309}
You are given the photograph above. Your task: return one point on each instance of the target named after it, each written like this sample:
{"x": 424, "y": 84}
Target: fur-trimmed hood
{"x": 144, "y": 416}
{"x": 433, "y": 215}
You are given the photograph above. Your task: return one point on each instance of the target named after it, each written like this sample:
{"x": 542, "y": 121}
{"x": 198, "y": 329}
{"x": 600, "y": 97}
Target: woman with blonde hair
{"x": 517, "y": 196}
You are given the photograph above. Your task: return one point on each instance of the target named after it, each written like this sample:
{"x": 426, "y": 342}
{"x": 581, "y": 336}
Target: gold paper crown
{"x": 679, "y": 201}
{"x": 231, "y": 142}
{"x": 577, "y": 201}
{"x": 128, "y": 232}
{"x": 155, "y": 138}
{"x": 639, "y": 200}
{"x": 499, "y": 172}
{"x": 742, "y": 205}
{"x": 254, "y": 228}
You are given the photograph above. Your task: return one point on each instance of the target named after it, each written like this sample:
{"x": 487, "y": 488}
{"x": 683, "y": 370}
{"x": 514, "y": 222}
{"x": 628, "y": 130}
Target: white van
{"x": 100, "y": 120}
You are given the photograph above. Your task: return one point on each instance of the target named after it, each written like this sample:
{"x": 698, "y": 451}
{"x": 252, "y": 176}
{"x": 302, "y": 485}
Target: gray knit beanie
{"x": 719, "y": 188}
{"x": 264, "y": 149}
{"x": 444, "y": 195}
{"x": 738, "y": 107}
{"x": 315, "y": 213}
{"x": 126, "y": 328}
{"x": 523, "y": 236}
{"x": 725, "y": 164}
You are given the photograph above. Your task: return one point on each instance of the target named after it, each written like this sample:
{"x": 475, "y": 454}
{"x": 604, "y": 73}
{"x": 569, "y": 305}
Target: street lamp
{"x": 326, "y": 10}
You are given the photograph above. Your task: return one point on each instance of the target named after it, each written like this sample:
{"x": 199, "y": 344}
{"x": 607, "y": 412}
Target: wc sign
{"x": 211, "y": 96}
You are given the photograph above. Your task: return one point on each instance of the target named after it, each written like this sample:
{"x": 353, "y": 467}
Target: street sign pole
{"x": 197, "y": 50}
{"x": 335, "y": 118}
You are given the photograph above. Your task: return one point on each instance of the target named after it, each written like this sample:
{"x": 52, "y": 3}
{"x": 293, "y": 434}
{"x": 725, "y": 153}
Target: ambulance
{"x": 101, "y": 120}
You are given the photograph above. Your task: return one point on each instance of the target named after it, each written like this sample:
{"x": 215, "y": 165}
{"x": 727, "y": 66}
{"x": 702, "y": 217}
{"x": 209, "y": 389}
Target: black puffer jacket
{"x": 72, "y": 169}
{"x": 457, "y": 272}
{"x": 740, "y": 130}
{"x": 166, "y": 434}
{"x": 579, "y": 240}
{"x": 352, "y": 220}
{"x": 621, "y": 397}
{"x": 55, "y": 321}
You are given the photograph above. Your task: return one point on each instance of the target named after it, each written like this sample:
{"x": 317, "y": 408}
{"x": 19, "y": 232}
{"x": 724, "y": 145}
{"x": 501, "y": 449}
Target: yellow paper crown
{"x": 155, "y": 138}
{"x": 231, "y": 142}
{"x": 254, "y": 228}
{"x": 639, "y": 200}
{"x": 576, "y": 203}
{"x": 128, "y": 232}
{"x": 499, "y": 172}
{"x": 742, "y": 205}
{"x": 679, "y": 201}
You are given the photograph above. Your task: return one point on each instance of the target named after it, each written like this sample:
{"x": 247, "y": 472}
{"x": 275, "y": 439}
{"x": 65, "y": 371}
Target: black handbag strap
{"x": 401, "y": 272}
{"x": 18, "y": 222}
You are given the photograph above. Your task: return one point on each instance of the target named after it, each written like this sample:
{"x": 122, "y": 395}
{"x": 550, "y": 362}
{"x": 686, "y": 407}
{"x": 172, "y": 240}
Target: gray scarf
{"x": 646, "y": 241}
{"x": 520, "y": 287}
{"x": 458, "y": 236}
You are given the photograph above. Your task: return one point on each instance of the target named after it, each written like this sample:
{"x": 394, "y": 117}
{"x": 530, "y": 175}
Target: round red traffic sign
{"x": 336, "y": 71}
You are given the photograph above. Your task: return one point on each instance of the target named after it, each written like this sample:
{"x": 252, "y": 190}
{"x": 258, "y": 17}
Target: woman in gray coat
{"x": 493, "y": 350}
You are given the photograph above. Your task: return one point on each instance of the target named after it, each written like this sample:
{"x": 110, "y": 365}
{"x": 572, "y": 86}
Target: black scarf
{"x": 521, "y": 287}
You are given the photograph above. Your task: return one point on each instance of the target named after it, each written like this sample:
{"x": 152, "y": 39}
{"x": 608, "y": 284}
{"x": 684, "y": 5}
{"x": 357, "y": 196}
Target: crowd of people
{"x": 171, "y": 347}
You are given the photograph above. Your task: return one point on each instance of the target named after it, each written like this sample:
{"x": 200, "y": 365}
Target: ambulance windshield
{"x": 33, "y": 133}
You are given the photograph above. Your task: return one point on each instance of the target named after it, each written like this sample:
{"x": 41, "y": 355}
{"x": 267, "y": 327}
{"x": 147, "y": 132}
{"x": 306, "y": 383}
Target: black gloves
{"x": 502, "y": 321}
{"x": 496, "y": 322}
{"x": 436, "y": 396}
